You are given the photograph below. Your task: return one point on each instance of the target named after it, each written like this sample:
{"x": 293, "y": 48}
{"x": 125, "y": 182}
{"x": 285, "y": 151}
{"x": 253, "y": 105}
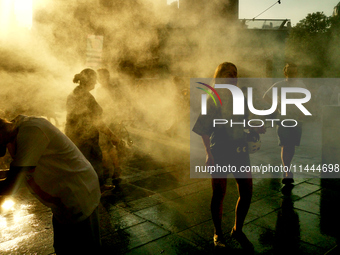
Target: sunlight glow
{"x": 15, "y": 14}
{"x": 15, "y": 227}
{"x": 8, "y": 204}
{"x": 23, "y": 13}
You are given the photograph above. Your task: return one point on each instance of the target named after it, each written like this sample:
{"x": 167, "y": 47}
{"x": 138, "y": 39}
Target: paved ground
{"x": 159, "y": 209}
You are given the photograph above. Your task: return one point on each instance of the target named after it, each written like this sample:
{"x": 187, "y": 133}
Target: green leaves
{"x": 313, "y": 44}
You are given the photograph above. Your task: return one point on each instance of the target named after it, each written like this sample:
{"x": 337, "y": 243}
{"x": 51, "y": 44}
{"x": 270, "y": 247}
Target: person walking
{"x": 288, "y": 137}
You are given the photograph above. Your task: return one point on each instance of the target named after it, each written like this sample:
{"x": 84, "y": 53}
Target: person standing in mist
{"x": 112, "y": 92}
{"x": 225, "y": 145}
{"x": 59, "y": 175}
{"x": 84, "y": 122}
{"x": 288, "y": 137}
{"x": 112, "y": 100}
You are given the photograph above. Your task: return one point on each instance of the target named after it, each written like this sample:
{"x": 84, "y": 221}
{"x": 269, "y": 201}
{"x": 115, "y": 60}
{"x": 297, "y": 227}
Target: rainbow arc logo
{"x": 208, "y": 92}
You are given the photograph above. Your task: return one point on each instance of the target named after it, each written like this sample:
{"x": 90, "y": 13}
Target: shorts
{"x": 231, "y": 161}
{"x": 289, "y": 135}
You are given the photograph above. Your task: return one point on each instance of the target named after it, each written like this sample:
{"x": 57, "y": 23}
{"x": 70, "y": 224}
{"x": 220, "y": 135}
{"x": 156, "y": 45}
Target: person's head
{"x": 290, "y": 70}
{"x": 103, "y": 76}
{"x": 7, "y": 135}
{"x": 86, "y": 79}
{"x": 226, "y": 70}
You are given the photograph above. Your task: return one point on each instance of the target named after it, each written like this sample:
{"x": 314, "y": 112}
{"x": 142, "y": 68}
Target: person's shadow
{"x": 329, "y": 215}
{"x": 287, "y": 235}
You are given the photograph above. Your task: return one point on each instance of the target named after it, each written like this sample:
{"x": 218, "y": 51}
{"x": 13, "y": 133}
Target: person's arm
{"x": 209, "y": 157}
{"x": 203, "y": 127}
{"x": 49, "y": 200}
{"x": 15, "y": 177}
{"x": 100, "y": 124}
{"x": 13, "y": 180}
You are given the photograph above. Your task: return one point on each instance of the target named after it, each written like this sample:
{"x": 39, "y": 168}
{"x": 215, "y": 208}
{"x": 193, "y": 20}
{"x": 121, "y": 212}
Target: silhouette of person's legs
{"x": 287, "y": 154}
{"x": 245, "y": 189}
{"x": 219, "y": 187}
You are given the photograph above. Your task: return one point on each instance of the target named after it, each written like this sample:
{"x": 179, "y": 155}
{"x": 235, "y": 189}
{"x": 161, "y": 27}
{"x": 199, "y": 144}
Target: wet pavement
{"x": 158, "y": 209}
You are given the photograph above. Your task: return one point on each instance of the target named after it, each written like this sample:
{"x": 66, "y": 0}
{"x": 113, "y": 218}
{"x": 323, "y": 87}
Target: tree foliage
{"x": 313, "y": 44}
{"x": 313, "y": 24}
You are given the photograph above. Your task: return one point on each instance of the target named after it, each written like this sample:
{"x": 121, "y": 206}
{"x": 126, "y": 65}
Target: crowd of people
{"x": 70, "y": 171}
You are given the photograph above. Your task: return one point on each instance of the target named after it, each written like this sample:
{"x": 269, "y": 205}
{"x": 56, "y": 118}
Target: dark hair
{"x": 222, "y": 69}
{"x": 225, "y": 73}
{"x": 83, "y": 75}
{"x": 3, "y": 125}
{"x": 3, "y": 122}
